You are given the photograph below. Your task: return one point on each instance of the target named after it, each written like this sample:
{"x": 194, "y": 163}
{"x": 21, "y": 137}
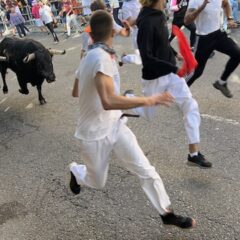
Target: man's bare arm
{"x": 110, "y": 100}
{"x": 228, "y": 13}
{"x": 75, "y": 88}
{"x": 192, "y": 13}
{"x": 125, "y": 31}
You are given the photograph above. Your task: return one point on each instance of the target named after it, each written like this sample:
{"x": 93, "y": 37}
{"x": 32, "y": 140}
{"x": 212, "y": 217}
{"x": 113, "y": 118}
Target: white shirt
{"x": 45, "y": 14}
{"x": 94, "y": 122}
{"x": 131, "y": 9}
{"x": 86, "y": 7}
{"x": 209, "y": 20}
{"x": 114, "y": 3}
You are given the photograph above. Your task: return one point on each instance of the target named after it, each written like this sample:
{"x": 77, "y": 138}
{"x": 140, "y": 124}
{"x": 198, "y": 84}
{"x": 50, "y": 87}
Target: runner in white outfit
{"x": 101, "y": 129}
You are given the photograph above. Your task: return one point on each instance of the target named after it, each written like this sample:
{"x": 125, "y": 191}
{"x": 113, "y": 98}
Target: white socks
{"x": 221, "y": 82}
{"x": 193, "y": 154}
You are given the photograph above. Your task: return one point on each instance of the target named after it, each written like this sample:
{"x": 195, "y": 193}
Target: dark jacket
{"x": 183, "y": 5}
{"x": 157, "y": 55}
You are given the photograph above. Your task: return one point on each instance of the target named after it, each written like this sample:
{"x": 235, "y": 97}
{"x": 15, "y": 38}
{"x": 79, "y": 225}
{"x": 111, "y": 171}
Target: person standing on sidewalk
{"x": 17, "y": 21}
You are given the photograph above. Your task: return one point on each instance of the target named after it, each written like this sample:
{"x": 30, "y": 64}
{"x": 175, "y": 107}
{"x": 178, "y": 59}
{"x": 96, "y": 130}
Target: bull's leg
{"x": 23, "y": 86}
{"x": 5, "y": 87}
{"x": 40, "y": 96}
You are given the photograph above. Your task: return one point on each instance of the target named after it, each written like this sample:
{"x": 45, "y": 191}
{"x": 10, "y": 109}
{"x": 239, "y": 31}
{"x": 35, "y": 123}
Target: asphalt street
{"x": 37, "y": 144}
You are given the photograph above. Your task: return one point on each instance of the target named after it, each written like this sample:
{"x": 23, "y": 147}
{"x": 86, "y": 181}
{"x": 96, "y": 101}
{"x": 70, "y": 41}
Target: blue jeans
{"x": 234, "y": 4}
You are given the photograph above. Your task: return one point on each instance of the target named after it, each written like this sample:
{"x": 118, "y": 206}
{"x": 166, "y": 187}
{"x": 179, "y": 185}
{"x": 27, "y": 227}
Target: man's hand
{"x": 164, "y": 99}
{"x": 126, "y": 25}
{"x": 179, "y": 57}
{"x": 232, "y": 24}
{"x": 75, "y": 88}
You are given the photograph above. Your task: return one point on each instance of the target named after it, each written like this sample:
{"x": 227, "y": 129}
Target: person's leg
{"x": 191, "y": 117}
{"x": 192, "y": 28}
{"x": 51, "y": 29}
{"x": 115, "y": 16}
{"x": 22, "y": 29}
{"x": 132, "y": 58}
{"x": 96, "y": 158}
{"x": 149, "y": 88}
{"x": 132, "y": 158}
{"x": 19, "y": 30}
{"x": 234, "y": 4}
{"x": 68, "y": 24}
{"x": 204, "y": 48}
{"x": 227, "y": 46}
{"x": 76, "y": 23}
{"x": 177, "y": 22}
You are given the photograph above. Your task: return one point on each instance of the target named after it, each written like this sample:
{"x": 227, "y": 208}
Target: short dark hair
{"x": 97, "y": 5}
{"x": 101, "y": 24}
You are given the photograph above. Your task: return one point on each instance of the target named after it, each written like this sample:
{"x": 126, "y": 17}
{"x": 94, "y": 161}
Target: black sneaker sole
{"x": 216, "y": 87}
{"x": 73, "y": 185}
{"x": 192, "y": 164}
{"x": 184, "y": 229}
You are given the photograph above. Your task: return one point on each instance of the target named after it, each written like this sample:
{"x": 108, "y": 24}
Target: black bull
{"x": 31, "y": 62}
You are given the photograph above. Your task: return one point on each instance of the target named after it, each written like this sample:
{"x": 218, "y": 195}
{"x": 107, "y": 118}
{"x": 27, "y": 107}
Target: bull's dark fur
{"x": 34, "y": 72}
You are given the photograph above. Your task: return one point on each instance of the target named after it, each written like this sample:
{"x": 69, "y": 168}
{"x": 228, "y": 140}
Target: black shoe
{"x": 74, "y": 186}
{"x": 129, "y": 91}
{"x": 199, "y": 161}
{"x": 178, "y": 221}
{"x": 223, "y": 88}
{"x": 120, "y": 63}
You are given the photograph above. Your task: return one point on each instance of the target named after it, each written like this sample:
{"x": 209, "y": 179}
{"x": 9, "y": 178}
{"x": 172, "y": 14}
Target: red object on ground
{"x": 189, "y": 63}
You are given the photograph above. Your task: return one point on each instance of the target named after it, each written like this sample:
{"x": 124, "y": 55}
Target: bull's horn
{"x": 29, "y": 57}
{"x": 3, "y": 59}
{"x": 57, "y": 52}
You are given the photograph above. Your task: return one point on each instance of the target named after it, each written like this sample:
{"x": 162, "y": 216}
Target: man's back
{"x": 94, "y": 121}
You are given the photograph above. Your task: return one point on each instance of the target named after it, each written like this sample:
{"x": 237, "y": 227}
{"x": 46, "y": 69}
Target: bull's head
{"x": 43, "y": 60}
{"x": 43, "y": 63}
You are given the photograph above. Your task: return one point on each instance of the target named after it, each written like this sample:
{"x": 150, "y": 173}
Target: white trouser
{"x": 69, "y": 19}
{"x": 133, "y": 58}
{"x": 124, "y": 144}
{"x": 178, "y": 88}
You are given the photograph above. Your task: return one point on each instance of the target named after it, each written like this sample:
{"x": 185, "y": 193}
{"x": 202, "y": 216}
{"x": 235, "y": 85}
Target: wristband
{"x": 230, "y": 18}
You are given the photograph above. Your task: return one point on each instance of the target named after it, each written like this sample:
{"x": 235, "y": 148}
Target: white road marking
{"x": 235, "y": 78}
{"x": 29, "y": 106}
{"x": 220, "y": 119}
{"x": 76, "y": 36}
{"x": 3, "y": 100}
{"x": 72, "y": 48}
{"x": 6, "y": 109}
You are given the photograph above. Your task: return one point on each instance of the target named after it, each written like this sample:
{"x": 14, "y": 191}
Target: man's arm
{"x": 192, "y": 13}
{"x": 228, "y": 13}
{"x": 110, "y": 100}
{"x": 75, "y": 88}
{"x": 125, "y": 31}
